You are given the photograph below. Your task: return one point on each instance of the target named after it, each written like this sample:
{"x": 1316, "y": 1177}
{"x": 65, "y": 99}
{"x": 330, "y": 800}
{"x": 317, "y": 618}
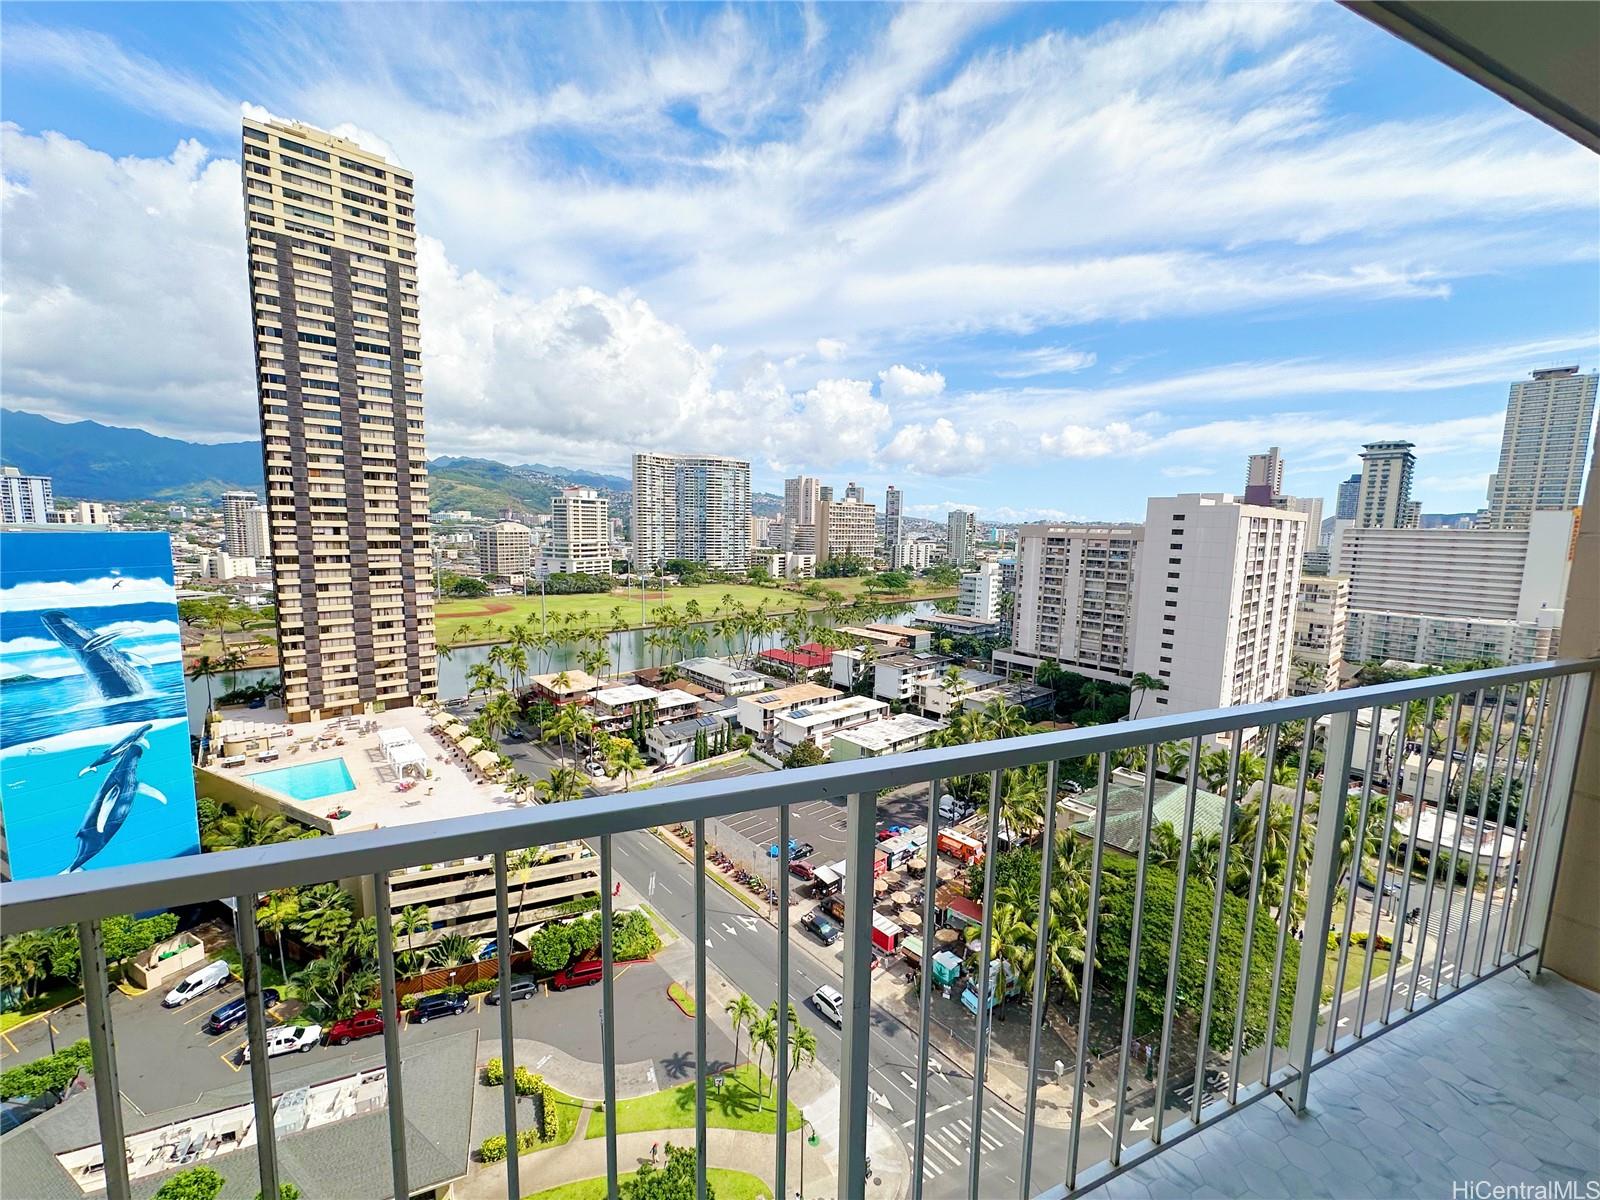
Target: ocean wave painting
{"x": 95, "y": 765}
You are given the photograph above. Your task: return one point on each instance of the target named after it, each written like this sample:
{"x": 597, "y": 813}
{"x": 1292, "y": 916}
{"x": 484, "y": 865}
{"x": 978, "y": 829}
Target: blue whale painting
{"x": 95, "y": 763}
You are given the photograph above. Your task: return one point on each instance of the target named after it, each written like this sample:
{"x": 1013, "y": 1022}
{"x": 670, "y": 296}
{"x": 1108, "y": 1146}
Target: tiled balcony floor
{"x": 1500, "y": 1084}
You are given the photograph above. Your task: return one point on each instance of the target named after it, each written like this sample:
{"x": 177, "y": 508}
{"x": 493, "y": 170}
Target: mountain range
{"x": 90, "y": 461}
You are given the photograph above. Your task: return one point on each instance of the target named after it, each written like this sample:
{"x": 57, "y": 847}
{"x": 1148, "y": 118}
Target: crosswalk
{"x": 949, "y": 1141}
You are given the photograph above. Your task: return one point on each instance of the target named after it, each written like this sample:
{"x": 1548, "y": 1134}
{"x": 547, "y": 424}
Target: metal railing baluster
{"x": 1358, "y": 854}
{"x": 701, "y": 1098}
{"x": 1512, "y": 875}
{"x": 1251, "y": 903}
{"x": 508, "y": 1033}
{"x": 389, "y": 999}
{"x": 1440, "y": 804}
{"x": 1163, "y": 1062}
{"x": 1086, "y": 982}
{"x": 856, "y": 1029}
{"x": 1402, "y": 909}
{"x": 1125, "y": 1042}
{"x": 1321, "y": 883}
{"x": 1536, "y": 834}
{"x": 1381, "y": 876}
{"x": 1564, "y": 752}
{"x": 608, "y": 1018}
{"x": 103, "y": 1054}
{"x": 986, "y": 984}
{"x": 1040, "y": 979}
{"x": 780, "y": 1166}
{"x": 1308, "y": 739}
{"x": 1500, "y": 825}
{"x": 1455, "y": 849}
{"x": 1478, "y": 826}
{"x": 930, "y": 886}
{"x": 1218, "y": 895}
{"x": 256, "y": 1034}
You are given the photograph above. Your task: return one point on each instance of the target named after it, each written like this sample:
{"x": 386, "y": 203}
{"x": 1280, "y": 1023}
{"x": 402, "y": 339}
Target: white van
{"x": 289, "y": 1039}
{"x": 208, "y": 978}
{"x": 953, "y": 810}
{"x": 829, "y": 1002}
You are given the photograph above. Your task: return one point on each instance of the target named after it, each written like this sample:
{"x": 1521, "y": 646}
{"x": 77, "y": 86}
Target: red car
{"x": 366, "y": 1023}
{"x": 802, "y": 870}
{"x": 579, "y": 974}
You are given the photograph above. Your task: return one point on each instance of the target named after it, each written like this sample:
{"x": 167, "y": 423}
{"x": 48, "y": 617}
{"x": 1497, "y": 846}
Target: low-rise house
{"x": 893, "y": 735}
{"x": 680, "y": 743}
{"x": 896, "y": 677}
{"x": 616, "y": 708}
{"x": 564, "y": 687}
{"x": 757, "y": 714}
{"x": 956, "y": 624}
{"x": 720, "y": 675}
{"x": 799, "y": 662}
{"x": 819, "y": 722}
{"x": 914, "y": 639}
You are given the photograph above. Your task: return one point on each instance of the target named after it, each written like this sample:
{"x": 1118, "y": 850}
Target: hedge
{"x": 555, "y": 946}
{"x": 1194, "y": 954}
{"x": 49, "y": 1074}
{"x": 528, "y": 1084}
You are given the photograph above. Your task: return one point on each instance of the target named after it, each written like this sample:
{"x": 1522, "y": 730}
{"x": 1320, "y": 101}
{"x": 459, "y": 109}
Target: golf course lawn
{"x": 464, "y": 622}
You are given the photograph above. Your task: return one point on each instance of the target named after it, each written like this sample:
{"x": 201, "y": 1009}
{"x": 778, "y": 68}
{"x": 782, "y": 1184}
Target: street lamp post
{"x": 812, "y": 1139}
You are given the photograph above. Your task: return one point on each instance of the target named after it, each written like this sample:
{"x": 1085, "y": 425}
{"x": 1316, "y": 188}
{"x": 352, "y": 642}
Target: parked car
{"x": 827, "y": 932}
{"x": 233, "y": 1012}
{"x": 802, "y": 870}
{"x": 829, "y": 1002}
{"x": 366, "y": 1023}
{"x": 440, "y": 1004}
{"x": 892, "y": 831}
{"x": 490, "y": 950}
{"x": 289, "y": 1039}
{"x": 578, "y": 974}
{"x": 521, "y": 989}
{"x": 24, "y": 1109}
{"x": 794, "y": 845}
{"x": 208, "y": 978}
{"x": 803, "y": 850}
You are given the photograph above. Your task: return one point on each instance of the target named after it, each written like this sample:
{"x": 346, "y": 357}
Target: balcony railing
{"x": 1455, "y": 795}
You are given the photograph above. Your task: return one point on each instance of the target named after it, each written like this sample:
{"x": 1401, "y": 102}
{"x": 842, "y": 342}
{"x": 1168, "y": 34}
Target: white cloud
{"x": 1047, "y": 360}
{"x": 830, "y": 349}
{"x": 908, "y": 383}
{"x": 936, "y": 449}
{"x": 1186, "y": 472}
{"x": 1087, "y": 441}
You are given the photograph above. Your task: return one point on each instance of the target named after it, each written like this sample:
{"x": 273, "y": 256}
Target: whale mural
{"x": 95, "y": 765}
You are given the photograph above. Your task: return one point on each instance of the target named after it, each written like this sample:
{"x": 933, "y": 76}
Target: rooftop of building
{"x": 800, "y": 693}
{"x": 891, "y": 731}
{"x": 918, "y": 658}
{"x": 834, "y": 709}
{"x": 956, "y": 621}
{"x": 809, "y": 656}
{"x": 678, "y": 731}
{"x": 897, "y": 630}
{"x": 717, "y": 668}
{"x": 1125, "y": 810}
{"x": 577, "y": 682}
{"x": 626, "y": 693}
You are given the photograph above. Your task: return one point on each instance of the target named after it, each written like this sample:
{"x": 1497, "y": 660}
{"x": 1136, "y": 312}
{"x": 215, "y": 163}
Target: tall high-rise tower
{"x": 332, "y": 247}
{"x": 236, "y": 521}
{"x": 961, "y": 531}
{"x": 1384, "y": 501}
{"x": 1263, "y": 480}
{"x": 691, "y": 506}
{"x": 1545, "y": 446}
{"x": 893, "y": 526}
{"x": 1349, "y": 498}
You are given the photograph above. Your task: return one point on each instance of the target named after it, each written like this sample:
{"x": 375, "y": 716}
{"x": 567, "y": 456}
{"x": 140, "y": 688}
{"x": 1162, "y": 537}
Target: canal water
{"x": 629, "y": 648}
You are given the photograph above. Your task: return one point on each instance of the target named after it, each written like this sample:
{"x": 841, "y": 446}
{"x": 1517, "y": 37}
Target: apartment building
{"x": 614, "y": 708}
{"x": 854, "y": 491}
{"x": 1384, "y": 498}
{"x": 1075, "y": 598}
{"x": 1348, "y": 500}
{"x": 844, "y": 527}
{"x": 980, "y": 592}
{"x": 819, "y": 722}
{"x": 1216, "y": 599}
{"x": 1263, "y": 477}
{"x": 84, "y": 512}
{"x": 580, "y": 533}
{"x": 721, "y": 676}
{"x": 691, "y": 506}
{"x": 224, "y": 566}
{"x": 893, "y": 516}
{"x": 1322, "y": 610}
{"x": 1544, "y": 448}
{"x": 505, "y": 550}
{"x": 785, "y": 564}
{"x": 896, "y": 677}
{"x": 758, "y": 713}
{"x": 961, "y": 535}
{"x": 25, "y": 499}
{"x": 915, "y": 554}
{"x": 331, "y": 239}
{"x": 899, "y": 734}
{"x": 1451, "y": 595}
{"x": 237, "y": 510}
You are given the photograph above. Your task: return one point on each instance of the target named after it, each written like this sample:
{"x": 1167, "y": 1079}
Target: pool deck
{"x": 454, "y": 790}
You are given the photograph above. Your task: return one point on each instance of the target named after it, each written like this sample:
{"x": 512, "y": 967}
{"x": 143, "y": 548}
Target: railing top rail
{"x": 58, "y": 900}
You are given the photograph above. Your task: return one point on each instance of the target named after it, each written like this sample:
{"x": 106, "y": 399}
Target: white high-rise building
{"x": 1216, "y": 601}
{"x": 1075, "y": 598}
{"x": 893, "y": 525}
{"x": 1384, "y": 500}
{"x": 691, "y": 506}
{"x": 915, "y": 554}
{"x": 846, "y": 527}
{"x": 800, "y": 500}
{"x": 580, "y": 533}
{"x": 236, "y": 507}
{"x": 25, "y": 499}
{"x": 1455, "y": 595}
{"x": 1265, "y": 471}
{"x": 980, "y": 593}
{"x": 963, "y": 534}
{"x": 854, "y": 491}
{"x": 1321, "y": 613}
{"x": 1545, "y": 446}
{"x": 257, "y": 533}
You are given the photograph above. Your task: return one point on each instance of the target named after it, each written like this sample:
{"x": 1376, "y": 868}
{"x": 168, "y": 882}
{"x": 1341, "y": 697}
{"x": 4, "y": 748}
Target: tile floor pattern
{"x": 1500, "y": 1084}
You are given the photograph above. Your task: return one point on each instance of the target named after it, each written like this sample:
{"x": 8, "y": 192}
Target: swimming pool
{"x": 307, "y": 781}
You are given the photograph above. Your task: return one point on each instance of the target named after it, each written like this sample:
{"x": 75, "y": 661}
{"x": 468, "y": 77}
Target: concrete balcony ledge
{"x": 1498, "y": 1087}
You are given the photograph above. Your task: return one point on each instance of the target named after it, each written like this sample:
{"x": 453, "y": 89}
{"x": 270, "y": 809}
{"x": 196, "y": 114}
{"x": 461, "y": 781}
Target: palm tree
{"x": 954, "y": 685}
{"x": 623, "y": 758}
{"x": 499, "y": 714}
{"x": 234, "y": 831}
{"x": 1141, "y": 683}
{"x": 413, "y": 919}
{"x": 522, "y": 861}
{"x": 454, "y": 950}
{"x": 763, "y": 1037}
{"x": 361, "y": 943}
{"x": 207, "y": 668}
{"x": 1165, "y": 845}
{"x": 276, "y": 913}
{"x": 23, "y": 959}
{"x": 562, "y": 724}
{"x": 563, "y": 784}
{"x": 324, "y": 916}
{"x": 1002, "y": 720}
{"x": 741, "y": 1010}
{"x": 1308, "y": 673}
{"x": 482, "y": 677}
{"x": 802, "y": 1046}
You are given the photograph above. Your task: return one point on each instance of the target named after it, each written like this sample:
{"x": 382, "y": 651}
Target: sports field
{"x": 463, "y": 622}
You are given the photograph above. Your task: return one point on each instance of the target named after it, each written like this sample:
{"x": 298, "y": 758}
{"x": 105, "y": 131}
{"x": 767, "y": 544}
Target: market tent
{"x": 486, "y": 760}
{"x": 470, "y": 745}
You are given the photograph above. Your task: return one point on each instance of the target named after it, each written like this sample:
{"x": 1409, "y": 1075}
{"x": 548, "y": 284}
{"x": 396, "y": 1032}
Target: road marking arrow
{"x": 879, "y": 1098}
{"x": 732, "y": 932}
{"x": 1140, "y": 1125}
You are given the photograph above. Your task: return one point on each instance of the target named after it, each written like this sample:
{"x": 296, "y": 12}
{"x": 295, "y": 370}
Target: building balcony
{"x": 1307, "y": 1067}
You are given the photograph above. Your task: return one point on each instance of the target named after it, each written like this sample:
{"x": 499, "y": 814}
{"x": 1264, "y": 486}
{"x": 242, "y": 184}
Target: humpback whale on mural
{"x": 114, "y": 800}
{"x": 109, "y": 667}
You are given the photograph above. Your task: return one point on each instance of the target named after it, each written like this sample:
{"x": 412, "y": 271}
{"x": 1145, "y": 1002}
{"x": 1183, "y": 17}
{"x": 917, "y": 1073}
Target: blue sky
{"x": 1041, "y": 260}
